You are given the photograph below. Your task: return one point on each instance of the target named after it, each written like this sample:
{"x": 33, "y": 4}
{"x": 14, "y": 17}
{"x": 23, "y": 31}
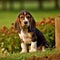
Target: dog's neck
{"x": 24, "y": 30}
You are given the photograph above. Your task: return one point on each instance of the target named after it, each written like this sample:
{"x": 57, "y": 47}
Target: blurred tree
{"x": 56, "y": 4}
{"x": 11, "y": 4}
{"x": 4, "y": 7}
{"x": 22, "y": 4}
{"x": 40, "y": 2}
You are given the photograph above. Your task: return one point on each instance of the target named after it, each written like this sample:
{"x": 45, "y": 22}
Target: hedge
{"x": 10, "y": 41}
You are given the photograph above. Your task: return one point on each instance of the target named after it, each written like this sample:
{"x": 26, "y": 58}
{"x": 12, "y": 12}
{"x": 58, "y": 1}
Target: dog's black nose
{"x": 25, "y": 22}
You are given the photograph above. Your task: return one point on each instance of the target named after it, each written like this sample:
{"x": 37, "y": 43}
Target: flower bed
{"x": 10, "y": 41}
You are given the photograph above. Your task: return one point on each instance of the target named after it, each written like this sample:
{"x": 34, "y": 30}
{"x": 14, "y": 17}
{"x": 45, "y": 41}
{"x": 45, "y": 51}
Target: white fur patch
{"x": 24, "y": 48}
{"x": 43, "y": 48}
{"x": 27, "y": 21}
{"x": 25, "y": 36}
{"x": 33, "y": 47}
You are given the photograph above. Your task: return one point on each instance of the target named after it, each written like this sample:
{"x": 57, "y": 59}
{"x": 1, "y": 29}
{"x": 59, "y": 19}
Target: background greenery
{"x": 8, "y": 17}
{"x": 9, "y": 39}
{"x": 27, "y": 56}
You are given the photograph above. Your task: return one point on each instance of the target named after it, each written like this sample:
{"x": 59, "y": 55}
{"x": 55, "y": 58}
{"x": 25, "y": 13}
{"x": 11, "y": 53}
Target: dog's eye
{"x": 28, "y": 17}
{"x": 21, "y": 17}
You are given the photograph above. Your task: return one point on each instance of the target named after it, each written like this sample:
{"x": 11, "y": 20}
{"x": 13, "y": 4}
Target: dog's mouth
{"x": 25, "y": 25}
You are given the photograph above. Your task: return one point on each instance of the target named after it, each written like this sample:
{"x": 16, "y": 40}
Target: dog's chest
{"x": 26, "y": 36}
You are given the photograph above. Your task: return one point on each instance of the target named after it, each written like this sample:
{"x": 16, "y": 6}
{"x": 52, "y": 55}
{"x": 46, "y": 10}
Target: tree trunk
{"x": 4, "y": 7}
{"x": 11, "y": 5}
{"x": 22, "y": 4}
{"x": 40, "y": 2}
{"x": 57, "y": 32}
{"x": 56, "y": 4}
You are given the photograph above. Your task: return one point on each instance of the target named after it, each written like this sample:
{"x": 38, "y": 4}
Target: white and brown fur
{"x": 29, "y": 34}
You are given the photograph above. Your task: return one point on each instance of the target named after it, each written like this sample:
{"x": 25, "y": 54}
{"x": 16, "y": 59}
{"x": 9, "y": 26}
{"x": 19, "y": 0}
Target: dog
{"x": 31, "y": 38}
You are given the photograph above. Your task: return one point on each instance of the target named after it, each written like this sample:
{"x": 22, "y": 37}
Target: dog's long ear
{"x": 32, "y": 24}
{"x": 17, "y": 25}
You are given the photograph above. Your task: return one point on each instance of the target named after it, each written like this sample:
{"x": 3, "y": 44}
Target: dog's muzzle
{"x": 25, "y": 22}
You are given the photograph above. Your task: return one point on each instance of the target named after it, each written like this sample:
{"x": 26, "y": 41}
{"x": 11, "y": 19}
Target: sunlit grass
{"x": 26, "y": 56}
{"x": 7, "y": 17}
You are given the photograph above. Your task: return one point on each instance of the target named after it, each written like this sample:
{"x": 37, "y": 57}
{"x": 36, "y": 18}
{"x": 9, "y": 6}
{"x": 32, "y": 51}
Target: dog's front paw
{"x": 33, "y": 50}
{"x": 33, "y": 47}
{"x": 23, "y": 51}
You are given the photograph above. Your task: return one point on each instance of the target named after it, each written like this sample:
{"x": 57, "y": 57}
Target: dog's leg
{"x": 33, "y": 47}
{"x": 43, "y": 48}
{"x": 24, "y": 48}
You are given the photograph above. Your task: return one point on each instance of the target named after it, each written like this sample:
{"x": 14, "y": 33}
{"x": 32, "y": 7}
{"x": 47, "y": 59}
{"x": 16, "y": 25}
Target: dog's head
{"x": 25, "y": 21}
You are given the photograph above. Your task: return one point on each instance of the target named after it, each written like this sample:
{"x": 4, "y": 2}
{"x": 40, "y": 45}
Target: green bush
{"x": 47, "y": 27}
{"x": 10, "y": 41}
{"x": 49, "y": 33}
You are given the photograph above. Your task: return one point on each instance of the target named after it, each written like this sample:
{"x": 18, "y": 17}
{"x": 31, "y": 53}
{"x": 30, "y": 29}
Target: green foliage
{"x": 10, "y": 41}
{"x": 48, "y": 29}
{"x": 49, "y": 33}
{"x": 27, "y": 56}
{"x": 7, "y": 17}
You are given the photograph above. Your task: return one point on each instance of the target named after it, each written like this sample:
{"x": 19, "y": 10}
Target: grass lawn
{"x": 7, "y": 17}
{"x": 26, "y": 56}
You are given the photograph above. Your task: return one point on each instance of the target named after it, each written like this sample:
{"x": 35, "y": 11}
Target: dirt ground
{"x": 51, "y": 57}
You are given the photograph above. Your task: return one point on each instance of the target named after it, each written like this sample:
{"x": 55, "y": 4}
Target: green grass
{"x": 26, "y": 56}
{"x": 7, "y": 17}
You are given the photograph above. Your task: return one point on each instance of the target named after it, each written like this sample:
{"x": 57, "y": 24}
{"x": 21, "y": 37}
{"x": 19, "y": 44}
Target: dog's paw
{"x": 23, "y": 51}
{"x": 43, "y": 50}
{"x": 33, "y": 50}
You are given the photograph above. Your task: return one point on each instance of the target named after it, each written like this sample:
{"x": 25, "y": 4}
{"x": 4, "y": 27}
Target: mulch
{"x": 51, "y": 57}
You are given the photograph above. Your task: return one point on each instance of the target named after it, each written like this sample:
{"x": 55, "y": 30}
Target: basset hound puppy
{"x": 31, "y": 38}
